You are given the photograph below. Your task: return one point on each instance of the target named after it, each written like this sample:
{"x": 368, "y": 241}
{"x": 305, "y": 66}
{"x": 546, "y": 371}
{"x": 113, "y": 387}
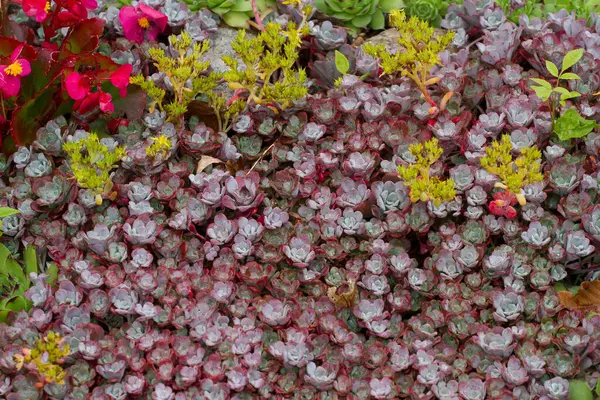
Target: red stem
{"x": 257, "y": 17}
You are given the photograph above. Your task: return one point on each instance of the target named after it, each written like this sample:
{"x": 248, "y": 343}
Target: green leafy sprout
{"x": 423, "y": 186}
{"x": 570, "y": 125}
{"x": 421, "y": 51}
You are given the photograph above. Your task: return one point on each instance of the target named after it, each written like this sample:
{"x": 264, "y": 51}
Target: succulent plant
{"x": 235, "y": 13}
{"x": 359, "y": 14}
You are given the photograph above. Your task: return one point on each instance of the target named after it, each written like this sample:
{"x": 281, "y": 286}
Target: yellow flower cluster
{"x": 421, "y": 47}
{"x": 273, "y": 52}
{"x": 160, "y": 145}
{"x": 91, "y": 162}
{"x": 424, "y": 187}
{"x": 514, "y": 173}
{"x": 45, "y": 358}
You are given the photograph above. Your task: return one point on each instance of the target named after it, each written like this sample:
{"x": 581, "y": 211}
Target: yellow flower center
{"x": 47, "y": 7}
{"x": 14, "y": 69}
{"x": 144, "y": 23}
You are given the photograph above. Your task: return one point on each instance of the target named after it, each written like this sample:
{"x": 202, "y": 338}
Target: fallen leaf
{"x": 587, "y": 297}
{"x": 343, "y": 295}
{"x": 205, "y": 161}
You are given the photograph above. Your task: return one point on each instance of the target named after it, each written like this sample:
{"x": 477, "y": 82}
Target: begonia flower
{"x": 37, "y": 8}
{"x": 142, "y": 21}
{"x": 10, "y": 75}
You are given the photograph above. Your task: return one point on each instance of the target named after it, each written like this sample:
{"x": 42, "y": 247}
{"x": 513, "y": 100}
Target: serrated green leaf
{"x": 570, "y": 75}
{"x": 571, "y": 125}
{"x": 542, "y": 82}
{"x": 579, "y": 390}
{"x": 571, "y": 59}
{"x": 341, "y": 62}
{"x": 552, "y": 68}
{"x": 7, "y": 211}
{"x": 542, "y": 92}
{"x": 598, "y": 387}
{"x": 561, "y": 90}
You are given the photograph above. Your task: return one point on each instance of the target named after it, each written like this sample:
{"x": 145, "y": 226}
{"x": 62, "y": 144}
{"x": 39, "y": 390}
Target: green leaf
{"x": 571, "y": 59}
{"x": 552, "y": 68}
{"x": 579, "y": 390}
{"x": 567, "y": 96}
{"x": 4, "y": 254}
{"x": 3, "y": 315}
{"x": 30, "y": 261}
{"x": 569, "y": 75}
{"x": 341, "y": 62}
{"x": 6, "y": 211}
{"x": 542, "y": 92}
{"x": 14, "y": 270}
{"x": 236, "y": 19}
{"x": 52, "y": 272}
{"x": 542, "y": 82}
{"x": 598, "y": 387}
{"x": 17, "y": 304}
{"x": 571, "y": 125}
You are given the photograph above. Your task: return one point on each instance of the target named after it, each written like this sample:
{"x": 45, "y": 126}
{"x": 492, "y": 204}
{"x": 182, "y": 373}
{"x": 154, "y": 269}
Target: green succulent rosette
{"x": 235, "y": 13}
{"x": 359, "y": 14}
{"x": 427, "y": 10}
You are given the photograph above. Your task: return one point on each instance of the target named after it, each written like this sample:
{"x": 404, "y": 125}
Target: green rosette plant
{"x": 431, "y": 11}
{"x": 357, "y": 14}
{"x": 235, "y": 13}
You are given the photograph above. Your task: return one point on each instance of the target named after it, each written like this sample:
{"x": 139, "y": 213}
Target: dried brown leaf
{"x": 205, "y": 161}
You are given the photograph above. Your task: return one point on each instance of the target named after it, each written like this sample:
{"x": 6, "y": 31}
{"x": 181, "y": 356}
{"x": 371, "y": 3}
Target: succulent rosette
{"x": 427, "y": 10}
{"x": 359, "y": 14}
{"x": 235, "y": 13}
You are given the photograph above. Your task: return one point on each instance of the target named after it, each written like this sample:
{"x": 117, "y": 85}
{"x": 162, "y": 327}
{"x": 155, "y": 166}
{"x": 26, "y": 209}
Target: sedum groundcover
{"x": 303, "y": 208}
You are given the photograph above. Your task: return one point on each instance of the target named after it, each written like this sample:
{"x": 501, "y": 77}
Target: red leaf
{"x": 84, "y": 37}
{"x": 7, "y": 45}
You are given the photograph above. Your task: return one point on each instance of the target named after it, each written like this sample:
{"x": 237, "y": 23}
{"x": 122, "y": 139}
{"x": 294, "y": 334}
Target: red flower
{"x": 105, "y": 103}
{"x": 10, "y": 75}
{"x": 120, "y": 78}
{"x": 77, "y": 86}
{"x": 502, "y": 205}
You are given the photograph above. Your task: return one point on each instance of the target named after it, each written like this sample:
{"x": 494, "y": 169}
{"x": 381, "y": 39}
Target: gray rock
{"x": 220, "y": 45}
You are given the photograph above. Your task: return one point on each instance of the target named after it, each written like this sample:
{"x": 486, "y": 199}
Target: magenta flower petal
{"x": 10, "y": 85}
{"x": 26, "y": 67}
{"x": 129, "y": 18}
{"x": 120, "y": 78}
{"x": 158, "y": 18}
{"x": 77, "y": 86}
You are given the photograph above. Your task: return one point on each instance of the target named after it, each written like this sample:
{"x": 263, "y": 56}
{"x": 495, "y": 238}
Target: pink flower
{"x": 141, "y": 20}
{"x": 77, "y": 85}
{"x": 36, "y": 8}
{"x": 120, "y": 78}
{"x": 10, "y": 75}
